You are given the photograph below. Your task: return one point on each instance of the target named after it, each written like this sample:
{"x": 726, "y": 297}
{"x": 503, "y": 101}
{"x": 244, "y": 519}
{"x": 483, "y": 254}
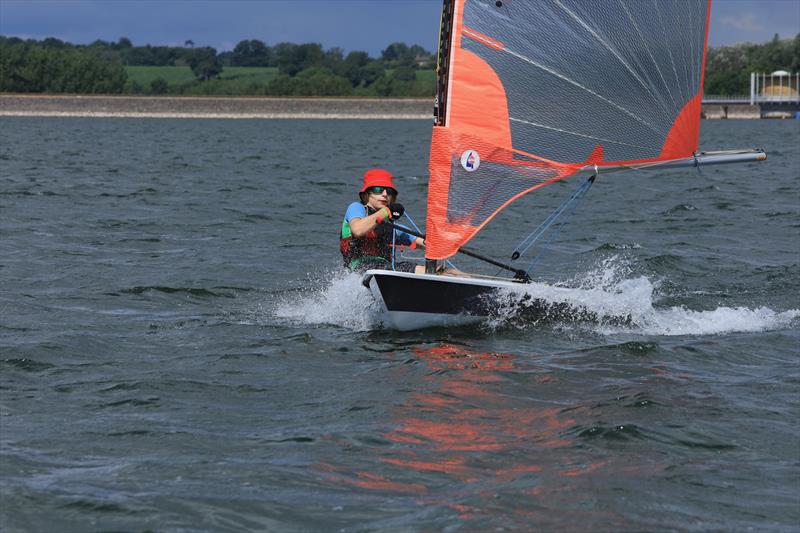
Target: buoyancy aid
{"x": 375, "y": 245}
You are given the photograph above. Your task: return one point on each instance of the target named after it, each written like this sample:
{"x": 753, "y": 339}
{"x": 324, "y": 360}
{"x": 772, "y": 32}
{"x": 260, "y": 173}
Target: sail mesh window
{"x": 474, "y": 196}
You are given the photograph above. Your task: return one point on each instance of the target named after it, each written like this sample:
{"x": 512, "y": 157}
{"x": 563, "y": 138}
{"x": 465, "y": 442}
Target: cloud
{"x": 745, "y": 22}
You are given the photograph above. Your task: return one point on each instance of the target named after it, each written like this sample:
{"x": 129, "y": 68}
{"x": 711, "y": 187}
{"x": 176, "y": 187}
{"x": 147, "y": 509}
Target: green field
{"x": 232, "y": 81}
{"x": 427, "y": 76}
{"x": 177, "y": 75}
{"x": 172, "y": 75}
{"x": 235, "y": 77}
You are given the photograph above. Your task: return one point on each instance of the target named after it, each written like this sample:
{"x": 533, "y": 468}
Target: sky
{"x": 368, "y": 25}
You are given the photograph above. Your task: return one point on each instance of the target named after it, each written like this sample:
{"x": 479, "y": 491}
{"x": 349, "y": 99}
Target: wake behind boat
{"x": 530, "y": 93}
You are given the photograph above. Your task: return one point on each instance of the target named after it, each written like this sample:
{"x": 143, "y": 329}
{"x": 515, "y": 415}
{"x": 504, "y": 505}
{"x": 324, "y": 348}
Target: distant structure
{"x": 775, "y": 95}
{"x": 778, "y": 87}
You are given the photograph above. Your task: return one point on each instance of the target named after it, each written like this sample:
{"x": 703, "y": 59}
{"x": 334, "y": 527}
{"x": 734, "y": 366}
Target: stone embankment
{"x": 747, "y": 111}
{"x": 214, "y": 107}
{"x": 28, "y": 105}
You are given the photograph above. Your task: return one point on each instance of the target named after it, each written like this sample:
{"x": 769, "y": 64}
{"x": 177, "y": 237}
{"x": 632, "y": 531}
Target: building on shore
{"x": 779, "y": 87}
{"x": 775, "y": 95}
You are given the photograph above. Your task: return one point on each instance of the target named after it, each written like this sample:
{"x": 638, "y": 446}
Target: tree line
{"x": 728, "y": 68}
{"x": 55, "y": 66}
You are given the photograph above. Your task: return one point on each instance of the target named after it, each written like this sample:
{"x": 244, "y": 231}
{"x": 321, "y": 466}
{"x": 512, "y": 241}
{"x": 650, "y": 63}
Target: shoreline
{"x": 214, "y": 107}
{"x": 260, "y": 107}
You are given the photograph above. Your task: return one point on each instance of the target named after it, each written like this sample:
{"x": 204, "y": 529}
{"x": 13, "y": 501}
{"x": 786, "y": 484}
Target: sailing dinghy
{"x": 530, "y": 93}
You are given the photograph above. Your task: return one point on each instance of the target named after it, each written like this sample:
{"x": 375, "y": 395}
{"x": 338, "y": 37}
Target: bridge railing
{"x": 726, "y": 99}
{"x": 746, "y": 99}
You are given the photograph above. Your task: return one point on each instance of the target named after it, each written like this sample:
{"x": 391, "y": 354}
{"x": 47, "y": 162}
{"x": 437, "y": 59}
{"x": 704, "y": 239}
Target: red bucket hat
{"x": 377, "y": 177}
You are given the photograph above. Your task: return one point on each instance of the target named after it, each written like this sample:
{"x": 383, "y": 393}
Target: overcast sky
{"x": 368, "y": 25}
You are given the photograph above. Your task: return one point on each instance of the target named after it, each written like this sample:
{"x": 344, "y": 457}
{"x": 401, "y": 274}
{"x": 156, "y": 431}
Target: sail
{"x": 533, "y": 91}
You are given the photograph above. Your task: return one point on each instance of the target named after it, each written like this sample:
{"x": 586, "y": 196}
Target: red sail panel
{"x": 538, "y": 90}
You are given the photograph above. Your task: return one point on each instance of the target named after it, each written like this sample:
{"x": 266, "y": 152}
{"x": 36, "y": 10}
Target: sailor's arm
{"x": 361, "y": 226}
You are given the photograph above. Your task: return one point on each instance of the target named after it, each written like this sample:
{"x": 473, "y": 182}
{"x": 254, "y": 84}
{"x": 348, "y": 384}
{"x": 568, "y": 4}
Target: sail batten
{"x": 574, "y": 133}
{"x": 538, "y": 91}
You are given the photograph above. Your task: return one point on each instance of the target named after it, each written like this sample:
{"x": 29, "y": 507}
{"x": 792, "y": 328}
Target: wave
{"x": 198, "y": 292}
{"x": 341, "y": 301}
{"x": 606, "y": 300}
{"x": 614, "y": 303}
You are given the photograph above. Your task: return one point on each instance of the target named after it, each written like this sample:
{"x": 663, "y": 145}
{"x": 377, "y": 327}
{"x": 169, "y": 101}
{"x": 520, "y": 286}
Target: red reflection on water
{"x": 583, "y": 469}
{"x": 481, "y": 426}
{"x": 368, "y": 480}
{"x": 488, "y": 439}
{"x": 374, "y": 481}
{"x": 468, "y": 411}
{"x": 464, "y": 427}
{"x": 455, "y": 467}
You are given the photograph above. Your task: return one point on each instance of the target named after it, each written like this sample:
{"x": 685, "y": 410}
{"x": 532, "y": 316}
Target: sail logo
{"x": 470, "y": 160}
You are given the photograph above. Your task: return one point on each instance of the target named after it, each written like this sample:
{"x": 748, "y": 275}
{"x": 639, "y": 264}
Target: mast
{"x": 442, "y": 75}
{"x": 443, "y": 63}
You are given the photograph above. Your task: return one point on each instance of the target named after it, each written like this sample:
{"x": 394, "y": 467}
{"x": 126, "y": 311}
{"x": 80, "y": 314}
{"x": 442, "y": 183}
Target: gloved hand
{"x": 396, "y": 210}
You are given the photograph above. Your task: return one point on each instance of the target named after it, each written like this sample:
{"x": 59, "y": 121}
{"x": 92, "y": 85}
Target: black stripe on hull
{"x": 419, "y": 295}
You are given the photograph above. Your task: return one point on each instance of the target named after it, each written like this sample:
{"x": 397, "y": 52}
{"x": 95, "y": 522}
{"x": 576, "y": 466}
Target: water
{"x": 180, "y": 351}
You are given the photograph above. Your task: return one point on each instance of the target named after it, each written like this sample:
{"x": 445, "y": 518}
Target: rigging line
{"x": 583, "y": 87}
{"x": 577, "y": 134}
{"x": 669, "y": 48}
{"x": 529, "y": 241}
{"x": 653, "y": 59}
{"x": 606, "y": 45}
{"x": 544, "y": 225}
{"x": 584, "y": 188}
{"x": 413, "y": 223}
{"x": 394, "y": 247}
{"x": 447, "y": 261}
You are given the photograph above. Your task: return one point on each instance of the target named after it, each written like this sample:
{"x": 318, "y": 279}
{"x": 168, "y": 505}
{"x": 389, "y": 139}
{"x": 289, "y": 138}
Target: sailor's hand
{"x": 396, "y": 210}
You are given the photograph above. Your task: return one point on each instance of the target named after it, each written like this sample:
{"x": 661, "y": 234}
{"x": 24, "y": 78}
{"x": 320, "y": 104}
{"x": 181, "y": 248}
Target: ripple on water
{"x": 26, "y": 364}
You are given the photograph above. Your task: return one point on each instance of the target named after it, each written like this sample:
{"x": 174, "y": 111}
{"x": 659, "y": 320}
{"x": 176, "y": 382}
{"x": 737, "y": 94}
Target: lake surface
{"x": 180, "y": 350}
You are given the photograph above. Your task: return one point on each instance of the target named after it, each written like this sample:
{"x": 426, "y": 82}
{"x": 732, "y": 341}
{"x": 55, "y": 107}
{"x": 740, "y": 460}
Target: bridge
{"x": 749, "y": 99}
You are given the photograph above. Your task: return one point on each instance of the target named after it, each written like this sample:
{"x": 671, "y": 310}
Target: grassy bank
{"x": 233, "y": 81}
{"x": 181, "y": 80}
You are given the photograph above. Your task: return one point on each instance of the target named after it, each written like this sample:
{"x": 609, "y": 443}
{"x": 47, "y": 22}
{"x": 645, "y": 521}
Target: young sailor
{"x": 366, "y": 242}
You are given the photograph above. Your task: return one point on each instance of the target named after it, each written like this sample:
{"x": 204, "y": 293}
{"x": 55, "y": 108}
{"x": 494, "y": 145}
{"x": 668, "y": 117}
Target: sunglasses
{"x": 379, "y": 190}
